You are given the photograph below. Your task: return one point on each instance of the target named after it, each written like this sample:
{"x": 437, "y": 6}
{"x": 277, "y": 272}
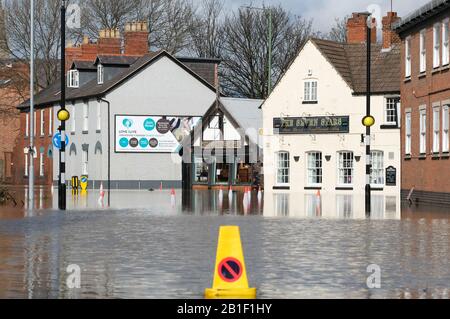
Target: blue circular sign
{"x": 143, "y": 143}
{"x": 149, "y": 124}
{"x": 123, "y": 142}
{"x": 84, "y": 179}
{"x": 57, "y": 140}
{"x": 127, "y": 123}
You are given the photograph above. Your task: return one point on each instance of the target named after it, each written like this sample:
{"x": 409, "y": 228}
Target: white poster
{"x": 152, "y": 134}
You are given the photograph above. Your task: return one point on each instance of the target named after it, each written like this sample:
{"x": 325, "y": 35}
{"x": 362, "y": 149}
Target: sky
{"x": 324, "y": 12}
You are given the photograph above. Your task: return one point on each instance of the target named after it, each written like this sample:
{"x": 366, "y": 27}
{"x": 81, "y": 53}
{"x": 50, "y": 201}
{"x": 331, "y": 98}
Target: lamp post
{"x": 269, "y": 43}
{"x": 32, "y": 126}
{"x": 63, "y": 115}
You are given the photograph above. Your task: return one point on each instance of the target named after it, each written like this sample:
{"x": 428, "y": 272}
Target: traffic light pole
{"x": 368, "y": 131}
{"x": 62, "y": 129}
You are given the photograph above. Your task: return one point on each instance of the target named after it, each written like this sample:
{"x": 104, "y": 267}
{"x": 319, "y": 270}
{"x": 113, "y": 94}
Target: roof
{"x": 425, "y": 12}
{"x": 83, "y": 65}
{"x": 116, "y": 60}
{"x": 51, "y": 95}
{"x": 246, "y": 112}
{"x": 349, "y": 60}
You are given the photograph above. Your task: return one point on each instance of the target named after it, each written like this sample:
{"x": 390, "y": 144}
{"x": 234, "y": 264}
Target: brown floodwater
{"x": 153, "y": 245}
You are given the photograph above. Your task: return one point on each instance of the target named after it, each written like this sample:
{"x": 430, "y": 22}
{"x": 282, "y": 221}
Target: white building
{"x": 313, "y": 132}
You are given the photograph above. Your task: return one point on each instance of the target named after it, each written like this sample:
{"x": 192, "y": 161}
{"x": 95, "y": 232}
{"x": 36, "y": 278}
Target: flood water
{"x": 151, "y": 245}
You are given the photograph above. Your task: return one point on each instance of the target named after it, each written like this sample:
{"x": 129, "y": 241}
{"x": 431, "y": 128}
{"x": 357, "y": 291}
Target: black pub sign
{"x": 391, "y": 176}
{"x": 312, "y": 125}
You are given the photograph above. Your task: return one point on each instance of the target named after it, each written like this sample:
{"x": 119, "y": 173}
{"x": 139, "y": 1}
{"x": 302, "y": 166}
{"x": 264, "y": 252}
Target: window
{"x": 85, "y": 116}
{"x": 436, "y": 45}
{"x": 391, "y": 111}
{"x": 345, "y": 168}
{"x": 408, "y": 134}
{"x": 314, "y": 168}
{"x": 445, "y": 129}
{"x": 445, "y": 46}
{"x": 42, "y": 123}
{"x": 27, "y": 125}
{"x": 73, "y": 124}
{"x": 41, "y": 164}
{"x": 201, "y": 171}
{"x": 283, "y": 166}
{"x": 26, "y": 164}
{"x": 377, "y": 175}
{"x": 85, "y": 161}
{"x": 73, "y": 79}
{"x": 100, "y": 74}
{"x": 50, "y": 121}
{"x": 423, "y": 52}
{"x": 408, "y": 57}
{"x": 34, "y": 123}
{"x": 436, "y": 129}
{"x": 423, "y": 132}
{"x": 99, "y": 116}
{"x": 310, "y": 91}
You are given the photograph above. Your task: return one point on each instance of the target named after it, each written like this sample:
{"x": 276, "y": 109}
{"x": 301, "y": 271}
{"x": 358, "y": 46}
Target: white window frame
{"x": 423, "y": 51}
{"x": 27, "y": 155}
{"x": 445, "y": 42}
{"x": 445, "y": 129}
{"x": 86, "y": 116}
{"x": 50, "y": 121}
{"x": 99, "y": 116}
{"x": 436, "y": 129}
{"x": 310, "y": 91}
{"x": 314, "y": 169}
{"x": 27, "y": 125}
{"x": 423, "y": 132}
{"x": 391, "y": 105}
{"x": 100, "y": 74}
{"x": 73, "y": 123}
{"x": 41, "y": 164}
{"x": 283, "y": 166}
{"x": 73, "y": 79}
{"x": 408, "y": 57}
{"x": 437, "y": 45}
{"x": 84, "y": 162}
{"x": 377, "y": 178}
{"x": 408, "y": 133}
{"x": 342, "y": 168}
{"x": 42, "y": 122}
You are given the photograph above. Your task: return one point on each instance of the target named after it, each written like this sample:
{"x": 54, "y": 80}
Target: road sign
{"x": 230, "y": 269}
{"x": 57, "y": 140}
{"x": 84, "y": 183}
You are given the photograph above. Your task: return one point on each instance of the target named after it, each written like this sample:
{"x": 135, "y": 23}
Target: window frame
{"x": 315, "y": 172}
{"x": 27, "y": 125}
{"x": 86, "y": 116}
{"x": 445, "y": 42}
{"x": 408, "y": 57}
{"x": 73, "y": 79}
{"x": 445, "y": 129}
{"x": 99, "y": 116}
{"x": 42, "y": 122}
{"x": 408, "y": 133}
{"x": 437, "y": 45}
{"x": 41, "y": 164}
{"x": 377, "y": 167}
{"x": 423, "y": 52}
{"x": 283, "y": 179}
{"x": 423, "y": 132}
{"x": 26, "y": 167}
{"x": 100, "y": 74}
{"x": 310, "y": 90}
{"x": 394, "y": 102}
{"x": 341, "y": 169}
{"x": 436, "y": 129}
{"x": 50, "y": 121}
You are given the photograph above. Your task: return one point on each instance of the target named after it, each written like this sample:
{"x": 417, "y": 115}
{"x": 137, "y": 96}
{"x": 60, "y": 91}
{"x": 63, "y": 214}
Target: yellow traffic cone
{"x": 230, "y": 274}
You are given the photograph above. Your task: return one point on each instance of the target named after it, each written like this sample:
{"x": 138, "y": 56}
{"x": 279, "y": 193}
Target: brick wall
{"x": 430, "y": 173}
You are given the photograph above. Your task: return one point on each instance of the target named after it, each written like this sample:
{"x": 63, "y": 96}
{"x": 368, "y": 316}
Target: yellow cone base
{"x": 246, "y": 293}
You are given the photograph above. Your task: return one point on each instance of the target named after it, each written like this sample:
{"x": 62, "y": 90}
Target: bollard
{"x": 230, "y": 274}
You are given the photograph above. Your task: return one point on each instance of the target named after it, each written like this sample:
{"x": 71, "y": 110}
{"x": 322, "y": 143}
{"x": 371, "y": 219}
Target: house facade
{"x": 425, "y": 90}
{"x": 313, "y": 132}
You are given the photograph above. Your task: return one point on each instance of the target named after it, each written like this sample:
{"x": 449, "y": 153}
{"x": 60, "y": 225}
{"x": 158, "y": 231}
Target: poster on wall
{"x": 152, "y": 134}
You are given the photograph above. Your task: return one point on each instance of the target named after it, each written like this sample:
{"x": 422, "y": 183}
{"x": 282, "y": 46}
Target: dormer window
{"x": 100, "y": 74}
{"x": 73, "y": 79}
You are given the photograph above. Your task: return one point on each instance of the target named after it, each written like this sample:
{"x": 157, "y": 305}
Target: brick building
{"x": 425, "y": 91}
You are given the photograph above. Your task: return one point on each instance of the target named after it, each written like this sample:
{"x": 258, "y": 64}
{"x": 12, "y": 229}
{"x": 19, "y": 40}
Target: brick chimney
{"x": 73, "y": 53}
{"x": 89, "y": 50}
{"x": 357, "y": 29}
{"x": 109, "y": 42}
{"x": 390, "y": 37}
{"x": 136, "y": 38}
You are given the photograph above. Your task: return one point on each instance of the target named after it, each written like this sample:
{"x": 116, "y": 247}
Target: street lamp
{"x": 63, "y": 115}
{"x": 269, "y": 42}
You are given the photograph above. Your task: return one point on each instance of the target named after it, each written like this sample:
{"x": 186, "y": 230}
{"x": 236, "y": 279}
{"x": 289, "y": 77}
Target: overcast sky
{"x": 323, "y": 12}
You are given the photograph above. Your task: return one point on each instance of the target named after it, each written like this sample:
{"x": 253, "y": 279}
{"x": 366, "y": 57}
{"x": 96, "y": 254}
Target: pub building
{"x": 313, "y": 131}
{"x": 225, "y": 149}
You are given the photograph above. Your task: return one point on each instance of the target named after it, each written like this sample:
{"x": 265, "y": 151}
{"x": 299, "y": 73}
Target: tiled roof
{"x": 117, "y": 59}
{"x": 349, "y": 60}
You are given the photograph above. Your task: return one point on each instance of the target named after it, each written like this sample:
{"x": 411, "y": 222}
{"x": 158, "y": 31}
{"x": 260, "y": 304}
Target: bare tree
{"x": 338, "y": 31}
{"x": 246, "y": 50}
{"x": 207, "y": 29}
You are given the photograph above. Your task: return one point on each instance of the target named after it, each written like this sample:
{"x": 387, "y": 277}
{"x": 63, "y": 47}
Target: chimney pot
{"x": 357, "y": 28}
{"x": 390, "y": 37}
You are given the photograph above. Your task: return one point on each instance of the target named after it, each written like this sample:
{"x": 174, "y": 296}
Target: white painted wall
{"x": 334, "y": 98}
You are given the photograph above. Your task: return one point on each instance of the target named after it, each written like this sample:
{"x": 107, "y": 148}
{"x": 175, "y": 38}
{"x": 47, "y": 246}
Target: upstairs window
{"x": 423, "y": 52}
{"x": 100, "y": 74}
{"x": 391, "y": 117}
{"x": 445, "y": 46}
{"x": 310, "y": 91}
{"x": 42, "y": 123}
{"x": 436, "y": 129}
{"x": 445, "y": 129}
{"x": 73, "y": 79}
{"x": 85, "y": 116}
{"x": 436, "y": 45}
{"x": 408, "y": 57}
{"x": 423, "y": 132}
{"x": 408, "y": 134}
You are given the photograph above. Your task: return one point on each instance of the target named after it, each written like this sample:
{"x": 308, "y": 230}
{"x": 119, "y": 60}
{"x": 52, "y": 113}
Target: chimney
{"x": 357, "y": 29}
{"x": 73, "y": 53}
{"x": 109, "y": 42}
{"x": 136, "y": 38}
{"x": 89, "y": 50}
{"x": 390, "y": 37}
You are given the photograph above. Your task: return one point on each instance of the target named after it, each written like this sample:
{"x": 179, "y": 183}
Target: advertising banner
{"x": 152, "y": 134}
